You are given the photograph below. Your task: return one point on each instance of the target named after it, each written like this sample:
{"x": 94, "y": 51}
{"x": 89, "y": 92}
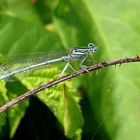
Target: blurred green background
{"x": 102, "y": 106}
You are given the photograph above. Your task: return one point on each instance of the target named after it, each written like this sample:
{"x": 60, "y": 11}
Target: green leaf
{"x": 16, "y": 113}
{"x": 22, "y": 9}
{"x": 114, "y": 28}
{"x": 73, "y": 119}
{"x": 45, "y": 9}
{"x": 65, "y": 108}
{"x": 27, "y": 37}
{"x": 3, "y": 100}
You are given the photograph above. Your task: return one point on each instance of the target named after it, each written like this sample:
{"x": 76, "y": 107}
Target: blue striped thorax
{"x": 79, "y": 52}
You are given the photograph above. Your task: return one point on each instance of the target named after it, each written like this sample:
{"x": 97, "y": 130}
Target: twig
{"x": 66, "y": 77}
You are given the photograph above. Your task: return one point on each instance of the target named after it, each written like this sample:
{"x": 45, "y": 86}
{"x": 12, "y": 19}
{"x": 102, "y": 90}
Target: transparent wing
{"x": 12, "y": 63}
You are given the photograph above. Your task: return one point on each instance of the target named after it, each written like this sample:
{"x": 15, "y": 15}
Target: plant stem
{"x": 66, "y": 77}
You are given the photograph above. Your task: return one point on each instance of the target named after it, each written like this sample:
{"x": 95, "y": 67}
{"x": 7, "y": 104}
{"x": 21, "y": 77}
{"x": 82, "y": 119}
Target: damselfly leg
{"x": 65, "y": 68}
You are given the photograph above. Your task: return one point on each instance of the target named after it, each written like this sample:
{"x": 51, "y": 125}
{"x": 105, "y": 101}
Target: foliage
{"x": 103, "y": 105}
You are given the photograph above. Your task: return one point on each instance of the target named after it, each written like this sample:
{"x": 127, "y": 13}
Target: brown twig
{"x": 69, "y": 76}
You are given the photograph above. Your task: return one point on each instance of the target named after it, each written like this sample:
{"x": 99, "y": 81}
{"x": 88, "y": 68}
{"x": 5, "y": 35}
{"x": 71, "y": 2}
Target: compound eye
{"x": 91, "y": 46}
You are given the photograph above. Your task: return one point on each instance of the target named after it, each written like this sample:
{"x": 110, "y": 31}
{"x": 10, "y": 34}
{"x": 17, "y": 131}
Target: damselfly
{"x": 6, "y": 70}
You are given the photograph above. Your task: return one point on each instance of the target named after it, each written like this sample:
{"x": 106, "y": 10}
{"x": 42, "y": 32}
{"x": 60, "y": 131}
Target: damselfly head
{"x": 92, "y": 47}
